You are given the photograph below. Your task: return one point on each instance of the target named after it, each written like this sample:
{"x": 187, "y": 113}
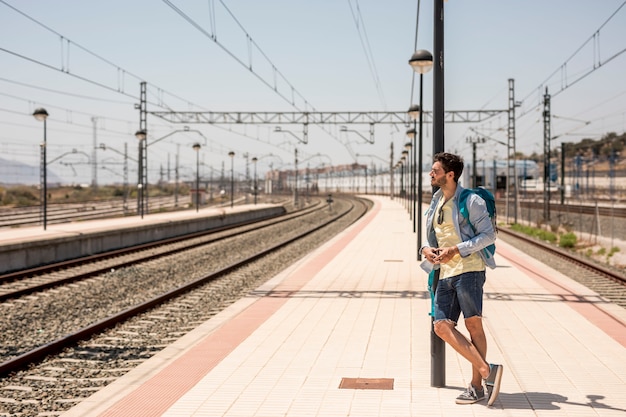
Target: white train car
{"x": 492, "y": 174}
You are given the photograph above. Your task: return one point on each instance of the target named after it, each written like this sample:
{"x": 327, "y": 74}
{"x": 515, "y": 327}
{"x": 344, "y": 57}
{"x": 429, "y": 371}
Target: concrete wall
{"x": 48, "y": 248}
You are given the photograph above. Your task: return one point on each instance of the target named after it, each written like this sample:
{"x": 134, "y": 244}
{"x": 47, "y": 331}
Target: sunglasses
{"x": 440, "y": 216}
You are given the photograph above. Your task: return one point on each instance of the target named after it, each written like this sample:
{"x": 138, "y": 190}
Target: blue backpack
{"x": 486, "y": 195}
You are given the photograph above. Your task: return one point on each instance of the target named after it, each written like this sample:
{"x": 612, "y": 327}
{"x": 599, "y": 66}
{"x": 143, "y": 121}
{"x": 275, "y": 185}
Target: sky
{"x": 83, "y": 62}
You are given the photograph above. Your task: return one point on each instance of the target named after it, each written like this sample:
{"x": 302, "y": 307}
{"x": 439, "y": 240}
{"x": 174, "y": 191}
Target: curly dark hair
{"x": 450, "y": 162}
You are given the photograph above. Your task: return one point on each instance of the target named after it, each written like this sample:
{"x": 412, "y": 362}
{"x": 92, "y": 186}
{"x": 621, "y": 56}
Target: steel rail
{"x": 569, "y": 256}
{"x": 29, "y": 273}
{"x": 57, "y": 345}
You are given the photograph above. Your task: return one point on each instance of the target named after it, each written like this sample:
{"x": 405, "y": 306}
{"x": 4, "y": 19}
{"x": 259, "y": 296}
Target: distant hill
{"x": 14, "y": 173}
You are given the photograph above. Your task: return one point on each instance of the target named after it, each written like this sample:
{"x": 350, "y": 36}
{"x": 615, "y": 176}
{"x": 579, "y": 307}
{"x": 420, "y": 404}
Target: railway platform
{"x": 345, "y": 331}
{"x": 28, "y": 247}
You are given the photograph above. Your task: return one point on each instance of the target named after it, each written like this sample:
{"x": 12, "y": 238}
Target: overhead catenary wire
{"x": 272, "y": 84}
{"x": 78, "y": 112}
{"x": 565, "y": 83}
{"x": 64, "y": 68}
{"x": 157, "y": 97}
{"x": 417, "y": 21}
{"x": 367, "y": 49}
{"x": 251, "y": 43}
{"x": 569, "y": 79}
{"x": 66, "y": 93}
{"x": 68, "y": 112}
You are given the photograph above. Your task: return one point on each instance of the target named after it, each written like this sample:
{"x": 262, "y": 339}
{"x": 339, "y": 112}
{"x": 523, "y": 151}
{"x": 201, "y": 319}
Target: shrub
{"x": 538, "y": 233}
{"x": 523, "y": 229}
{"x": 547, "y": 236}
{"x": 568, "y": 240}
{"x": 118, "y": 192}
{"x": 21, "y": 196}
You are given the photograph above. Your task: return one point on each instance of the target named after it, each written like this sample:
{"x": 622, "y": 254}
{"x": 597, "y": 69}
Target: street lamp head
{"x": 255, "y": 159}
{"x": 231, "y": 154}
{"x": 344, "y": 128}
{"x": 196, "y": 147}
{"x": 414, "y": 111}
{"x": 40, "y": 114}
{"x": 278, "y": 129}
{"x": 408, "y": 146}
{"x": 421, "y": 61}
{"x": 141, "y": 134}
{"x": 411, "y": 133}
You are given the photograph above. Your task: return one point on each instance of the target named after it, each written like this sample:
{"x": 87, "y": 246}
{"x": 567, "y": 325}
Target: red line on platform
{"x": 608, "y": 323}
{"x": 161, "y": 391}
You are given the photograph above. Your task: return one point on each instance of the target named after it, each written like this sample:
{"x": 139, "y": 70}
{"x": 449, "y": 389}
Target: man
{"x": 455, "y": 249}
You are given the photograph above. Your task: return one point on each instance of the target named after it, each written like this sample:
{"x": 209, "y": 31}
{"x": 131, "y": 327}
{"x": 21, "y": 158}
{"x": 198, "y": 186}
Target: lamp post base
{"x": 437, "y": 359}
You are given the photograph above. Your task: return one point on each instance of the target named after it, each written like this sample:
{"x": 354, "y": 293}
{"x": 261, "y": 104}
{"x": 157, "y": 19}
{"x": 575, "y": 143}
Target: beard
{"x": 438, "y": 182}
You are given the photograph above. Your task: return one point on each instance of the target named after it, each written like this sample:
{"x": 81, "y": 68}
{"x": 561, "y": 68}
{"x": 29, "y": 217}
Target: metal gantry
{"x": 546, "y": 156}
{"x": 474, "y": 141}
{"x": 319, "y": 118}
{"x": 142, "y": 136}
{"x": 511, "y": 165}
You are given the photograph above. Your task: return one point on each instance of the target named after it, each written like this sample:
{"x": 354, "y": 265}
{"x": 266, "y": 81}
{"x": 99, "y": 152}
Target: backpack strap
{"x": 490, "y": 250}
{"x": 463, "y": 206}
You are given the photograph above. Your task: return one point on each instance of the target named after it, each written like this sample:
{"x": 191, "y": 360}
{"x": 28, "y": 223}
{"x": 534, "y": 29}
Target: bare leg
{"x": 474, "y": 326}
{"x": 447, "y": 331}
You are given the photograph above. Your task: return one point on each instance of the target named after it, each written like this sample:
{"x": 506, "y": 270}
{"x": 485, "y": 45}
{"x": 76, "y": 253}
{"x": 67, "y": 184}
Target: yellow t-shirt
{"x": 447, "y": 236}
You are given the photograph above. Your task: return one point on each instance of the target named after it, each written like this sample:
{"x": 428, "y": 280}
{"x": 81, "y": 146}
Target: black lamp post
{"x": 41, "y": 114}
{"x": 196, "y": 147}
{"x": 399, "y": 186}
{"x": 411, "y": 181}
{"x": 232, "y": 177}
{"x": 405, "y": 174}
{"x": 295, "y": 188}
{"x": 421, "y": 61}
{"x": 411, "y": 133}
{"x": 255, "y": 183}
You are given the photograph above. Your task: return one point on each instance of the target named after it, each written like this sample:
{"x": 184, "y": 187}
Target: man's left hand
{"x": 446, "y": 254}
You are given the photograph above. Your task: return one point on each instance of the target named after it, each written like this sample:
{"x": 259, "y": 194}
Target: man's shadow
{"x": 547, "y": 401}
{"x": 544, "y": 401}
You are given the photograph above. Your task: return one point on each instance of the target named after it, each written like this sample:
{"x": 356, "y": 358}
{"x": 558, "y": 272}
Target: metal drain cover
{"x": 366, "y": 383}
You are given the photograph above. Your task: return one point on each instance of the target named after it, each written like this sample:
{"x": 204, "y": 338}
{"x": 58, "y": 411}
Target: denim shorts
{"x": 460, "y": 294}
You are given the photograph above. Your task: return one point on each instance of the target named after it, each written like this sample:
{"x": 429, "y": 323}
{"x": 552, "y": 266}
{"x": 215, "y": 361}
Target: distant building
{"x": 358, "y": 178}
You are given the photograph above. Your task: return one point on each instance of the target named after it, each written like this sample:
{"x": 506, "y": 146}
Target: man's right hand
{"x": 431, "y": 255}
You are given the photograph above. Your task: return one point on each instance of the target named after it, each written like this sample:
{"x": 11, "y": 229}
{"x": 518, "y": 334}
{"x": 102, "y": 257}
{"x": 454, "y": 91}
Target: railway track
{"x": 55, "y": 375}
{"x": 604, "y": 209}
{"x": 28, "y": 281}
{"x": 607, "y": 282}
{"x": 63, "y": 213}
